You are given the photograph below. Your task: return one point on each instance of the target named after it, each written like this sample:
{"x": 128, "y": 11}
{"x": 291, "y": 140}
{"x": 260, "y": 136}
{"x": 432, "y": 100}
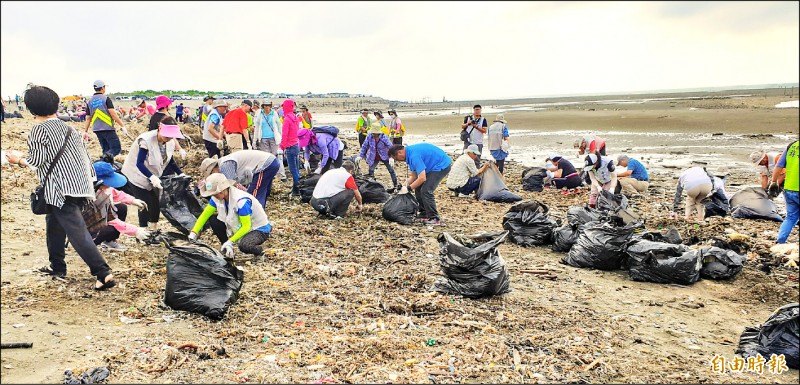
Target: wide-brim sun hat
{"x": 208, "y": 164}
{"x": 215, "y": 184}
{"x": 500, "y": 118}
{"x": 105, "y": 173}
{"x": 162, "y": 102}
{"x": 755, "y": 157}
{"x": 170, "y": 131}
{"x": 304, "y": 137}
{"x": 220, "y": 103}
{"x": 375, "y": 130}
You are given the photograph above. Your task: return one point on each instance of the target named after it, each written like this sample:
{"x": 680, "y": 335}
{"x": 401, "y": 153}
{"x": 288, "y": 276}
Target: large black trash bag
{"x": 719, "y": 263}
{"x": 529, "y": 224}
{"x": 661, "y": 262}
{"x": 608, "y": 202}
{"x": 668, "y": 236}
{"x": 779, "y": 335}
{"x": 401, "y": 208}
{"x": 306, "y": 185}
{"x": 600, "y": 245}
{"x": 372, "y": 191}
{"x": 178, "y": 202}
{"x": 564, "y": 237}
{"x": 533, "y": 179}
{"x": 199, "y": 279}
{"x": 493, "y": 188}
{"x": 753, "y": 203}
{"x": 717, "y": 205}
{"x": 578, "y": 215}
{"x": 472, "y": 265}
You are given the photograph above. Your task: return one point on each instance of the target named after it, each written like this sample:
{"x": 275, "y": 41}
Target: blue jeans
{"x": 292, "y": 158}
{"x": 388, "y": 167}
{"x": 109, "y": 142}
{"x": 792, "y": 214}
{"x": 472, "y": 184}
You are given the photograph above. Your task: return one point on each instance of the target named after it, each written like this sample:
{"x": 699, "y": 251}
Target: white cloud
{"x": 399, "y": 50}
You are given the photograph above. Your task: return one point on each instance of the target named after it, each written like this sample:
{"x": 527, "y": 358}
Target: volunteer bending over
{"x": 252, "y": 168}
{"x": 601, "y": 173}
{"x": 245, "y": 221}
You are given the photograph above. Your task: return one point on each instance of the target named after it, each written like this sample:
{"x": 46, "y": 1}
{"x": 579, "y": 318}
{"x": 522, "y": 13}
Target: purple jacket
{"x": 327, "y": 145}
{"x": 369, "y": 148}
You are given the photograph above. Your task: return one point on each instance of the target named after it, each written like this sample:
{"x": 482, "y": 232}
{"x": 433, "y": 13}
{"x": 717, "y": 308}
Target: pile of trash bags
{"x": 529, "y": 224}
{"x": 660, "y": 262}
{"x": 472, "y": 265}
{"x": 401, "y": 208}
{"x": 371, "y": 191}
{"x": 178, "y": 202}
{"x": 601, "y": 245}
{"x": 533, "y": 179}
{"x": 199, "y": 279}
{"x": 779, "y": 335}
{"x": 753, "y": 203}
{"x": 566, "y": 236}
{"x": 720, "y": 263}
{"x": 306, "y": 185}
{"x": 493, "y": 187}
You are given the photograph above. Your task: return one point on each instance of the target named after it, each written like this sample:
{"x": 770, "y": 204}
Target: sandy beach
{"x": 349, "y": 302}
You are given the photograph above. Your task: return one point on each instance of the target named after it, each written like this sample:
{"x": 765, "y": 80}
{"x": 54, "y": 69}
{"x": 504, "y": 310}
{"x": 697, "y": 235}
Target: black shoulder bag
{"x": 38, "y": 204}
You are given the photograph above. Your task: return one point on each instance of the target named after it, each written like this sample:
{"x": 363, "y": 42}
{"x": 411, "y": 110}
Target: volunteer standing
{"x": 267, "y": 133}
{"x": 101, "y": 118}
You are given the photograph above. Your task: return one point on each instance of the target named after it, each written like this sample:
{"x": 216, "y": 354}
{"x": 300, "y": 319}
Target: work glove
{"x": 182, "y": 153}
{"x": 280, "y": 152}
{"x": 124, "y": 130}
{"x": 220, "y": 145}
{"x": 318, "y": 170}
{"x": 193, "y": 236}
{"x": 307, "y": 165}
{"x": 142, "y": 233}
{"x": 358, "y": 159}
{"x": 155, "y": 181}
{"x": 773, "y": 190}
{"x": 391, "y": 162}
{"x": 403, "y": 190}
{"x": 139, "y": 203}
{"x": 227, "y": 249}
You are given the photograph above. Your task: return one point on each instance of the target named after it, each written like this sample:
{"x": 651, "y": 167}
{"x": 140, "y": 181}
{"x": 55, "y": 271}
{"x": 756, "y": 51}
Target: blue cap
{"x": 105, "y": 173}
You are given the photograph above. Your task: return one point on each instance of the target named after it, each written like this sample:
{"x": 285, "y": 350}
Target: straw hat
{"x": 756, "y": 156}
{"x": 215, "y": 184}
{"x": 375, "y": 130}
{"x": 220, "y": 103}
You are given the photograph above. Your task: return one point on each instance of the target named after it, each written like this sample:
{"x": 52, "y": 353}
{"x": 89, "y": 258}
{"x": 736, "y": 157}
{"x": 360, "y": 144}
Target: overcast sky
{"x": 398, "y": 50}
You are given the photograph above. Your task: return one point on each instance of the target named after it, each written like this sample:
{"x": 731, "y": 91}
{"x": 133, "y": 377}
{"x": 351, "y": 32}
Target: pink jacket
{"x": 290, "y": 125}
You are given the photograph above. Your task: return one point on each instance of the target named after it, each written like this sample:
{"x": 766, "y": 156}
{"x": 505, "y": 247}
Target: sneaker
{"x": 460, "y": 195}
{"x": 432, "y": 222}
{"x": 113, "y": 246}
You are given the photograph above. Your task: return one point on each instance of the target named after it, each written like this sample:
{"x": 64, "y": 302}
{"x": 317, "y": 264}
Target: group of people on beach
{"x": 249, "y": 146}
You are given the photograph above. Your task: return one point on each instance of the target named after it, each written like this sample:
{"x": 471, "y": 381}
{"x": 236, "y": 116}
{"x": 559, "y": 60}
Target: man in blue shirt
{"x": 635, "y": 179}
{"x": 428, "y": 166}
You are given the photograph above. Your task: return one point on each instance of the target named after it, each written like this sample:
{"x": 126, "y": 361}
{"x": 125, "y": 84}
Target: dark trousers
{"x": 153, "y": 211}
{"x": 500, "y": 164}
{"x": 334, "y": 206}
{"x": 67, "y": 223}
{"x": 472, "y": 184}
{"x": 336, "y": 162}
{"x": 293, "y": 162}
{"x": 109, "y": 233}
{"x": 361, "y": 138}
{"x": 261, "y": 185}
{"x": 109, "y": 142}
{"x": 212, "y": 149}
{"x": 397, "y": 140}
{"x": 388, "y": 167}
{"x": 424, "y": 193}
{"x": 251, "y": 242}
{"x": 571, "y": 182}
{"x": 179, "y": 117}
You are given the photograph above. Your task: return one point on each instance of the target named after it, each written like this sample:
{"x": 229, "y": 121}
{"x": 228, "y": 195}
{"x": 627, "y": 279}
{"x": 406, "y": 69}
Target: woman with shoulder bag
{"x": 63, "y": 166}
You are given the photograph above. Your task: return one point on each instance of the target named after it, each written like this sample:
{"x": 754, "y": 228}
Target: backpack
{"x": 330, "y": 130}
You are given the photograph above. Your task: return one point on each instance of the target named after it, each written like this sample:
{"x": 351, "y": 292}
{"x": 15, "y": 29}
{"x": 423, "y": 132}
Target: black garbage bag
{"x": 493, "y": 188}
{"x": 754, "y": 203}
{"x": 668, "y": 236}
{"x": 717, "y": 204}
{"x": 779, "y": 335}
{"x": 600, "y": 245}
{"x": 529, "y": 224}
{"x": 372, "y": 191}
{"x": 578, "y": 215}
{"x": 401, "y": 208}
{"x": 91, "y": 376}
{"x": 719, "y": 263}
{"x": 612, "y": 203}
{"x": 472, "y": 265}
{"x": 178, "y": 203}
{"x": 533, "y": 179}
{"x": 199, "y": 279}
{"x": 661, "y": 262}
{"x": 306, "y": 185}
{"x": 564, "y": 237}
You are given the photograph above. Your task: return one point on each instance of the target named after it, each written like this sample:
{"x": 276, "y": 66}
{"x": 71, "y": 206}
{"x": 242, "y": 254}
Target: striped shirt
{"x": 73, "y": 175}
